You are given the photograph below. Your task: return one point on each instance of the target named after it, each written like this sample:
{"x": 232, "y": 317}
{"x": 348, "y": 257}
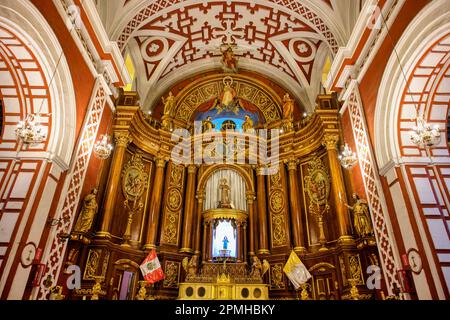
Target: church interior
{"x": 224, "y": 150}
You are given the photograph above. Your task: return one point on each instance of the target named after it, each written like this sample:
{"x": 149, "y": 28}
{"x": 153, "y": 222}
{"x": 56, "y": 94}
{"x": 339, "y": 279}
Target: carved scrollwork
{"x": 134, "y": 177}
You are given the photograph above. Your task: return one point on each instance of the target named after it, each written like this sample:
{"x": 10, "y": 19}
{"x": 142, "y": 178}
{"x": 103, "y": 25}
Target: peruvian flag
{"x": 151, "y": 268}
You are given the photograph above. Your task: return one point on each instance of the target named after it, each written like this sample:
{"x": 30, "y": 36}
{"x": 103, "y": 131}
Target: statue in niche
{"x": 227, "y": 100}
{"x": 247, "y": 126}
{"x": 229, "y": 60}
{"x": 88, "y": 212}
{"x": 225, "y": 243}
{"x": 225, "y": 190}
{"x": 288, "y": 107}
{"x": 361, "y": 217}
{"x": 169, "y": 103}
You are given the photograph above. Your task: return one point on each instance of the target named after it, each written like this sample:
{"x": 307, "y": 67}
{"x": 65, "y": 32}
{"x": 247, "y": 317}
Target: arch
{"x": 394, "y": 112}
{"x": 259, "y": 94}
{"x": 38, "y": 51}
{"x": 210, "y": 170}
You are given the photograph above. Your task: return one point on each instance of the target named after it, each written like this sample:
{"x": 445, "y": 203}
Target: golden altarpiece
{"x": 223, "y": 230}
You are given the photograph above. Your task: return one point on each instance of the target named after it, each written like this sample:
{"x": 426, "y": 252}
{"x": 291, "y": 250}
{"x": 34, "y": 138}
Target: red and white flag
{"x": 151, "y": 268}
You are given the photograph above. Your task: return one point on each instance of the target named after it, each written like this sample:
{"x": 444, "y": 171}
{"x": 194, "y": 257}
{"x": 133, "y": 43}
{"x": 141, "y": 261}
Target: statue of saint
{"x": 256, "y": 268}
{"x": 288, "y": 107}
{"x": 169, "y": 103}
{"x": 247, "y": 126}
{"x": 225, "y": 243}
{"x": 361, "y": 216}
{"x": 88, "y": 211}
{"x": 229, "y": 60}
{"x": 224, "y": 194}
{"x": 207, "y": 125}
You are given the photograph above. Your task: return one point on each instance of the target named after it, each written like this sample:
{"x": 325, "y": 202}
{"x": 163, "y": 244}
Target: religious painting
{"x": 227, "y": 111}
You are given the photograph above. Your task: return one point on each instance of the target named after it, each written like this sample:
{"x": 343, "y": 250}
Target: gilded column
{"x": 338, "y": 187}
{"x": 252, "y": 224}
{"x": 240, "y": 241}
{"x": 262, "y": 213}
{"x": 122, "y": 140}
{"x": 198, "y": 224}
{"x": 205, "y": 255}
{"x": 186, "y": 245}
{"x": 155, "y": 205}
{"x": 294, "y": 200}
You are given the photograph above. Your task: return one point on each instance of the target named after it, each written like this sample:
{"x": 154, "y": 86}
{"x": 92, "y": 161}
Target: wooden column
{"x": 252, "y": 222}
{"x": 155, "y": 205}
{"x": 244, "y": 242}
{"x": 122, "y": 140}
{"x": 206, "y": 235}
{"x": 338, "y": 187}
{"x": 240, "y": 242}
{"x": 188, "y": 226}
{"x": 294, "y": 200}
{"x": 198, "y": 224}
{"x": 262, "y": 211}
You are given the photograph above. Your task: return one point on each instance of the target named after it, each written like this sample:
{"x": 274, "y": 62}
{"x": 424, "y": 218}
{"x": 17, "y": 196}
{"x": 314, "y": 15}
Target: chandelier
{"x": 348, "y": 158}
{"x": 423, "y": 135}
{"x": 30, "y": 131}
{"x": 103, "y": 148}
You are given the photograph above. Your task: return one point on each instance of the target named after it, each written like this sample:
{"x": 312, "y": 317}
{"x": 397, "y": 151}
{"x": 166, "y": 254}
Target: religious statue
{"x": 247, "y": 126}
{"x": 227, "y": 100}
{"x": 258, "y": 268}
{"x": 142, "y": 293}
{"x": 207, "y": 125}
{"x": 361, "y": 216}
{"x": 190, "y": 266}
{"x": 88, "y": 211}
{"x": 169, "y": 103}
{"x": 225, "y": 243}
{"x": 224, "y": 194}
{"x": 56, "y": 293}
{"x": 229, "y": 60}
{"x": 288, "y": 107}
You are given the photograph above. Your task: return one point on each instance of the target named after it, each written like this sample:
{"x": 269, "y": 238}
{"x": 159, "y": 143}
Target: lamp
{"x": 423, "y": 135}
{"x": 103, "y": 148}
{"x": 348, "y": 158}
{"x": 30, "y": 131}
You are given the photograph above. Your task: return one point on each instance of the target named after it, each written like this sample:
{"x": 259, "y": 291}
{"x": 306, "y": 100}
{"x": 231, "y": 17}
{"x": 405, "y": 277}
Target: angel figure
{"x": 229, "y": 60}
{"x": 190, "y": 266}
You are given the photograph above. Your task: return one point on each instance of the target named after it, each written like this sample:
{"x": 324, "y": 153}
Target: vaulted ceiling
{"x": 287, "y": 41}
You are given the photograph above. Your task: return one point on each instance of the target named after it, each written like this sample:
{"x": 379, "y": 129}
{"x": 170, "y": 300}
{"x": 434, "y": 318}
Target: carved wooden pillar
{"x": 240, "y": 242}
{"x": 198, "y": 224}
{"x": 338, "y": 187}
{"x": 206, "y": 236}
{"x": 244, "y": 242}
{"x": 262, "y": 212}
{"x": 155, "y": 205}
{"x": 188, "y": 226}
{"x": 252, "y": 222}
{"x": 122, "y": 140}
{"x": 294, "y": 199}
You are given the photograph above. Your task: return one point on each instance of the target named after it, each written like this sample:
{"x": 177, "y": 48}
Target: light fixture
{"x": 103, "y": 148}
{"x": 423, "y": 135}
{"x": 348, "y": 158}
{"x": 30, "y": 131}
